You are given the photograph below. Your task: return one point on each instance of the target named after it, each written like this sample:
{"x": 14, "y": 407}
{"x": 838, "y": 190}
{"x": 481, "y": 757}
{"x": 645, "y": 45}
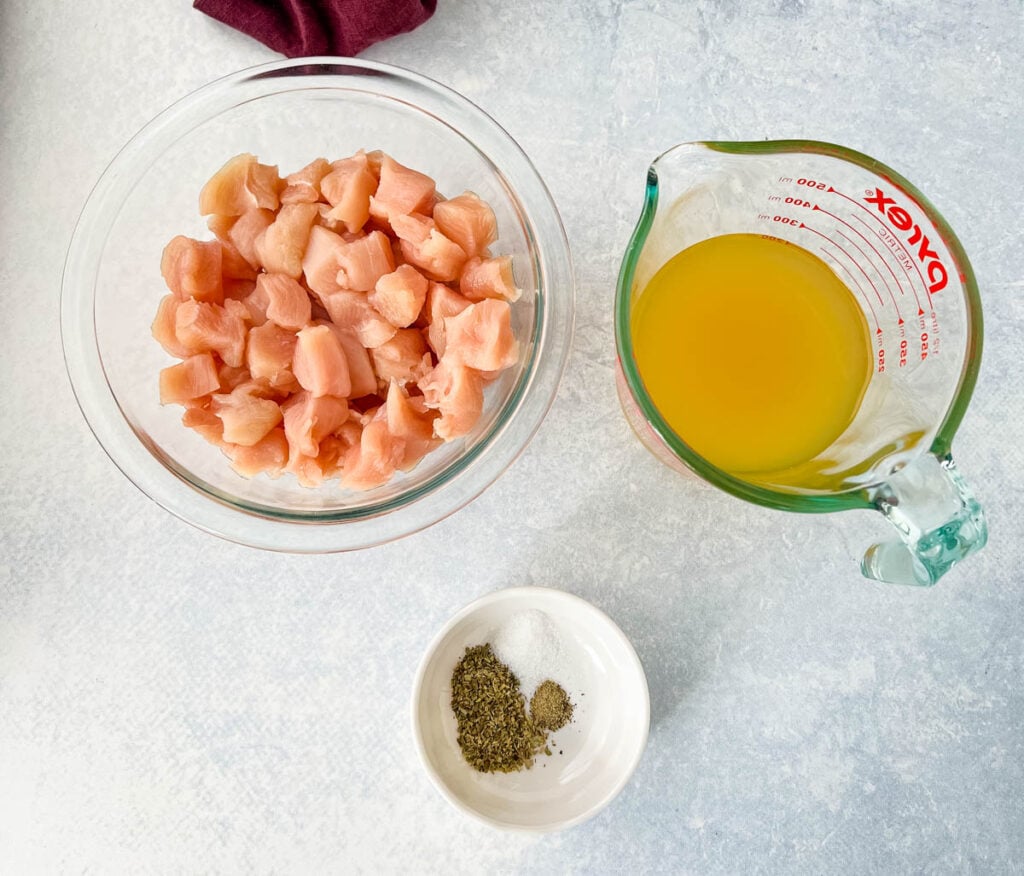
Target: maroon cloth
{"x": 300, "y": 28}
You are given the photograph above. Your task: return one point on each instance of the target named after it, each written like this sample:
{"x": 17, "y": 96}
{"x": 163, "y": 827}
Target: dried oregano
{"x": 495, "y": 732}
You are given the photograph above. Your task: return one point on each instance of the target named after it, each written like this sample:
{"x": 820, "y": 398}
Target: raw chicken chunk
{"x": 281, "y": 246}
{"x": 374, "y": 460}
{"x": 269, "y": 354}
{"x": 363, "y": 261}
{"x": 488, "y": 278}
{"x": 348, "y": 188}
{"x": 320, "y": 364}
{"x": 457, "y": 392}
{"x": 353, "y": 311}
{"x": 210, "y": 328}
{"x": 247, "y": 417}
{"x": 402, "y": 190}
{"x": 426, "y": 248}
{"x": 241, "y": 184}
{"x": 322, "y": 261}
{"x": 403, "y": 358}
{"x": 245, "y": 233}
{"x": 192, "y": 269}
{"x": 309, "y": 419}
{"x": 303, "y": 186}
{"x": 399, "y": 296}
{"x": 468, "y": 221}
{"x": 411, "y": 420}
{"x": 287, "y": 302}
{"x": 192, "y": 378}
{"x": 481, "y": 336}
{"x": 269, "y": 454}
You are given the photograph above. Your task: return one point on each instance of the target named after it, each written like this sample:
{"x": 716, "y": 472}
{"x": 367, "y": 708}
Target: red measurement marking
{"x": 910, "y": 257}
{"x": 875, "y": 251}
{"x": 917, "y": 299}
{"x": 856, "y": 282}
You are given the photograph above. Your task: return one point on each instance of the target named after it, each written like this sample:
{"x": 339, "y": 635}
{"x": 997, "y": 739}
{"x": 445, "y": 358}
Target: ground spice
{"x": 495, "y": 733}
{"x": 550, "y": 707}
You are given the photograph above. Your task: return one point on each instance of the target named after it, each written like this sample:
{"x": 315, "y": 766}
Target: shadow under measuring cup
{"x": 900, "y": 340}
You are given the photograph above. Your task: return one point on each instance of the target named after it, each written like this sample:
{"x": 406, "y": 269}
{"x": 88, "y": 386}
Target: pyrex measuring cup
{"x": 915, "y": 287}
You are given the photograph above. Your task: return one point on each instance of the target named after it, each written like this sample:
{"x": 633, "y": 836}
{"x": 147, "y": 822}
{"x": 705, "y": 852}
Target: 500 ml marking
{"x": 805, "y": 181}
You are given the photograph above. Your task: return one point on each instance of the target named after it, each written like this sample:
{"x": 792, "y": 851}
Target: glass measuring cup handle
{"x": 937, "y": 517}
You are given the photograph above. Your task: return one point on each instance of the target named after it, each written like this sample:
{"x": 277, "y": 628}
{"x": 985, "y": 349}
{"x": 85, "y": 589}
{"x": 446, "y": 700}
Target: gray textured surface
{"x": 172, "y": 703}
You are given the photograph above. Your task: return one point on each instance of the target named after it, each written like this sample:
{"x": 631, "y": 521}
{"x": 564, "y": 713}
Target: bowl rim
{"x": 542, "y": 597}
{"x": 452, "y": 487}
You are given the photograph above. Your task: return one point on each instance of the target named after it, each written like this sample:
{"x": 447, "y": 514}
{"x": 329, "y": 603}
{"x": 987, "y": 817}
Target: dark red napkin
{"x": 300, "y": 28}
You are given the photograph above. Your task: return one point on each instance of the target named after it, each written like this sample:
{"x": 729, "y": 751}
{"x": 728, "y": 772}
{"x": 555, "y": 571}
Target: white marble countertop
{"x": 173, "y": 703}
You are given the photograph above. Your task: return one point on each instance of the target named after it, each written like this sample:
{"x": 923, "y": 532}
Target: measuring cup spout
{"x": 937, "y": 517}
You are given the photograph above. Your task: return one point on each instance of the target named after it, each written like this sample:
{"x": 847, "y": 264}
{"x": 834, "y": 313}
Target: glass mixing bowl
{"x": 288, "y": 113}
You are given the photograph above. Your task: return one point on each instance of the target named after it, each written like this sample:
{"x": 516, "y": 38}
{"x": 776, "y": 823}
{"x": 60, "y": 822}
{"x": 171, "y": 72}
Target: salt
{"x": 529, "y": 644}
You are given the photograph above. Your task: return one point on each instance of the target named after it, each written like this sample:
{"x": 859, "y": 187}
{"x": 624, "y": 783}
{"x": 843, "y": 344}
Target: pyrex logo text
{"x": 901, "y": 220}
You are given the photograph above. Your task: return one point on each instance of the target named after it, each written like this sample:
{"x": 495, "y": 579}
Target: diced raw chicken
{"x": 206, "y": 328}
{"x": 221, "y": 226}
{"x": 256, "y": 303}
{"x": 192, "y": 378}
{"x": 269, "y": 353}
{"x": 410, "y": 420}
{"x": 404, "y": 358}
{"x": 348, "y": 188}
{"x": 401, "y": 190}
{"x": 237, "y": 308}
{"x": 308, "y": 420}
{"x": 310, "y": 471}
{"x": 205, "y": 422}
{"x": 324, "y": 220}
{"x": 360, "y": 371}
{"x": 320, "y": 364}
{"x": 233, "y": 264}
{"x": 192, "y": 269}
{"x": 481, "y": 336}
{"x": 489, "y": 278}
{"x": 332, "y": 452}
{"x": 353, "y": 311}
{"x": 163, "y": 327}
{"x": 300, "y": 305}
{"x": 282, "y": 245}
{"x": 268, "y": 455}
{"x": 247, "y": 230}
{"x": 321, "y": 261}
{"x": 362, "y": 262}
{"x": 238, "y": 290}
{"x": 287, "y": 301}
{"x": 469, "y": 221}
{"x": 399, "y": 296}
{"x": 303, "y": 186}
{"x": 457, "y": 392}
{"x": 241, "y": 184}
{"x": 374, "y": 160}
{"x": 231, "y": 377}
{"x": 442, "y": 301}
{"x": 426, "y": 248}
{"x": 247, "y": 418}
{"x": 374, "y": 460}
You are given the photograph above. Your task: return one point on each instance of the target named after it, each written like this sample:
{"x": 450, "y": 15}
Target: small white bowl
{"x": 592, "y": 757}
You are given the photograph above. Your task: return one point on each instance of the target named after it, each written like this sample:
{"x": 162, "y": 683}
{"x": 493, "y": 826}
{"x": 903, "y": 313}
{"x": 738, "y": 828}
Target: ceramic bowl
{"x": 592, "y": 758}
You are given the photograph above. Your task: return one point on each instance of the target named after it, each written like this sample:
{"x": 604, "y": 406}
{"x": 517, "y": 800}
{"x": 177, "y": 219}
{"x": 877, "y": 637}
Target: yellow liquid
{"x": 753, "y": 350}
